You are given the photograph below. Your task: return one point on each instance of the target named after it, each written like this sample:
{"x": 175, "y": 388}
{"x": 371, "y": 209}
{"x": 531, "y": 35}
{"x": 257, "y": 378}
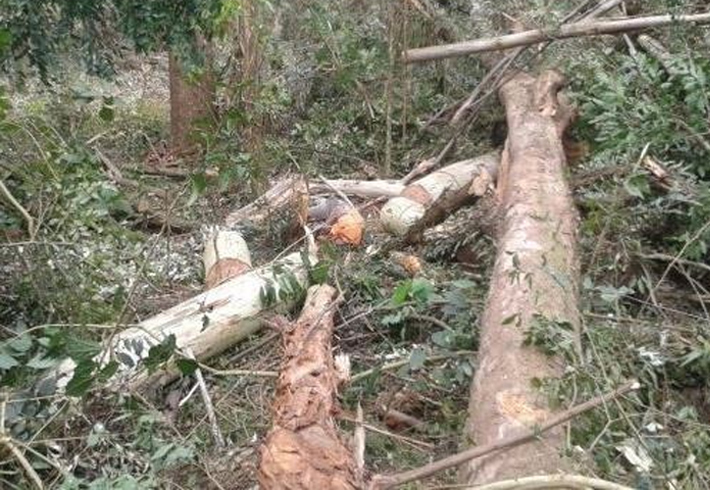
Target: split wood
{"x": 382, "y": 482}
{"x": 536, "y": 36}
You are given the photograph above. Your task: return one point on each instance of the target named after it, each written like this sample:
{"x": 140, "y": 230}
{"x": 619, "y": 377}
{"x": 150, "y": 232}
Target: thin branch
{"x": 209, "y": 408}
{"x": 536, "y": 36}
{"x": 16, "y": 204}
{"x": 382, "y": 482}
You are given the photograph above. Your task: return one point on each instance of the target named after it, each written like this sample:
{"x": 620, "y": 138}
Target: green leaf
{"x": 41, "y": 362}
{"x": 186, "y": 366}
{"x": 7, "y": 362}
{"x": 106, "y": 113}
{"x": 108, "y": 371}
{"x": 514, "y": 318}
{"x": 422, "y": 290}
{"x": 160, "y": 354}
{"x": 20, "y": 344}
{"x": 83, "y": 378}
{"x": 198, "y": 184}
{"x": 401, "y": 293}
{"x": 82, "y": 349}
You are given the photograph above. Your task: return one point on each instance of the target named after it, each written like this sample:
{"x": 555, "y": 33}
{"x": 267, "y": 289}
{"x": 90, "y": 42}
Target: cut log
{"x": 534, "y": 283}
{"x": 578, "y": 29}
{"x": 226, "y": 256}
{"x": 303, "y": 449}
{"x": 206, "y": 324}
{"x": 430, "y": 199}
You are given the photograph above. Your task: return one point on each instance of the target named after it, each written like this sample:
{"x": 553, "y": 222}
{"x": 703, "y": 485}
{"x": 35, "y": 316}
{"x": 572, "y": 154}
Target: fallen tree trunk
{"x": 578, "y": 29}
{"x": 303, "y": 449}
{"x": 206, "y": 324}
{"x": 533, "y": 285}
{"x": 430, "y": 199}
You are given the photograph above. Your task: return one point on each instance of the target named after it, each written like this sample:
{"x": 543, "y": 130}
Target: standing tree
{"x": 36, "y": 33}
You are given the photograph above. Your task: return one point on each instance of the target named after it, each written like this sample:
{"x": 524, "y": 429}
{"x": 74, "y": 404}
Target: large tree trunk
{"x": 303, "y": 449}
{"x": 534, "y": 283}
{"x": 191, "y": 102}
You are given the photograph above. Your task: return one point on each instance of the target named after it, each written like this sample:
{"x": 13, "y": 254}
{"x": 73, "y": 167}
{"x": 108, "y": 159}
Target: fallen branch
{"x": 398, "y": 364}
{"x": 578, "y": 29}
{"x": 381, "y": 482}
{"x": 16, "y": 204}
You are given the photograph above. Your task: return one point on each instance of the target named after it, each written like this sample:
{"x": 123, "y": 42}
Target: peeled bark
{"x": 534, "y": 281}
{"x": 190, "y": 102}
{"x": 206, "y": 324}
{"x": 431, "y": 199}
{"x": 303, "y": 449}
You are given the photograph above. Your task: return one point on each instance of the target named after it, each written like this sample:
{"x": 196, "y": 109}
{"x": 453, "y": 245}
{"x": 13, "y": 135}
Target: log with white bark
{"x": 206, "y": 324}
{"x": 535, "y": 36}
{"x": 534, "y": 282}
{"x": 303, "y": 449}
{"x": 430, "y": 199}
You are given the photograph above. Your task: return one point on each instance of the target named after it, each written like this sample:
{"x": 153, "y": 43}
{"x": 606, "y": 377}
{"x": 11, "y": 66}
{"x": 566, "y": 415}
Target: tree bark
{"x": 191, "y": 102}
{"x": 578, "y": 29}
{"x": 206, "y": 324}
{"x": 303, "y": 449}
{"x": 534, "y": 282}
{"x": 431, "y": 199}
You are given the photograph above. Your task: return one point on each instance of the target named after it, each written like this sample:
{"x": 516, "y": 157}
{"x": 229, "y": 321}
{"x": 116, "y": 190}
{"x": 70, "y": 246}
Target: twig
{"x": 404, "y": 362}
{"x": 676, "y": 260}
{"x": 407, "y": 440}
{"x": 381, "y": 482}
{"x": 238, "y": 372}
{"x": 15, "y": 203}
{"x": 214, "y": 425}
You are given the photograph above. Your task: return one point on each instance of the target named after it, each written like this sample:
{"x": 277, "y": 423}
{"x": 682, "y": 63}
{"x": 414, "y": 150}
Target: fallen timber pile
{"x": 537, "y": 247}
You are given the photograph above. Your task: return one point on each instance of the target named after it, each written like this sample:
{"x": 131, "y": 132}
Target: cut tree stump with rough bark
{"x": 206, "y": 324}
{"x": 431, "y": 199}
{"x": 533, "y": 285}
{"x": 303, "y": 449}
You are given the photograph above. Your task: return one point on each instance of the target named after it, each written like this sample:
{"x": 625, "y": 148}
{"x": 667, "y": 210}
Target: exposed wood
{"x": 534, "y": 280}
{"x": 578, "y": 29}
{"x": 226, "y": 256}
{"x": 382, "y": 482}
{"x": 303, "y": 449}
{"x": 429, "y": 200}
{"x": 5, "y": 192}
{"x": 206, "y": 324}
